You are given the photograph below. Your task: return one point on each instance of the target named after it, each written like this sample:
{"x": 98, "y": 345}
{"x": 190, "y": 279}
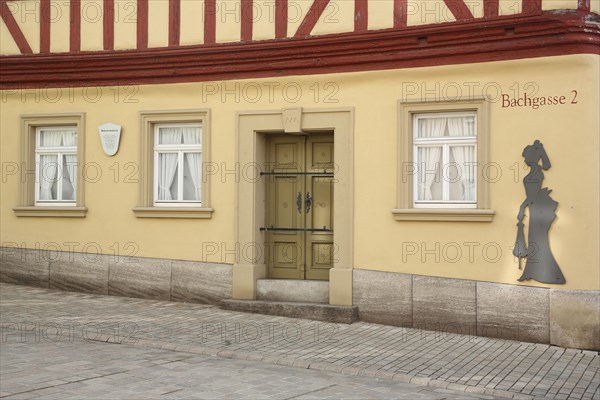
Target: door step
{"x": 292, "y": 290}
{"x": 313, "y": 311}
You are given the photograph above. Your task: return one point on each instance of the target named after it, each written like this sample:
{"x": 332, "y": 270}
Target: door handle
{"x": 308, "y": 202}
{"x": 299, "y": 203}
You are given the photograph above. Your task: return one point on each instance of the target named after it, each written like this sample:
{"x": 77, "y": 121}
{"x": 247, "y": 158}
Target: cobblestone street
{"x": 73, "y": 345}
{"x": 103, "y": 371}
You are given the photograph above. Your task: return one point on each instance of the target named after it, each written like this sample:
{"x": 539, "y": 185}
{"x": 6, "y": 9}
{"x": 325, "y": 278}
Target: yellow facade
{"x": 569, "y": 133}
{"x": 357, "y": 76}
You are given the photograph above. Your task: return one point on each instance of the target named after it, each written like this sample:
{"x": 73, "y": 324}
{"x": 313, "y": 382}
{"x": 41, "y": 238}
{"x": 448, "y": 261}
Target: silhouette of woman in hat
{"x": 541, "y": 265}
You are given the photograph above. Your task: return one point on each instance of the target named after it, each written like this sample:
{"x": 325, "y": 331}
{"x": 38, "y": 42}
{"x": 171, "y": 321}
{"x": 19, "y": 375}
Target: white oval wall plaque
{"x": 110, "y": 134}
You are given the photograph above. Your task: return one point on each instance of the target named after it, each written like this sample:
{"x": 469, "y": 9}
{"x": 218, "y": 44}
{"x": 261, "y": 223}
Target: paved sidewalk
{"x": 94, "y": 370}
{"x": 475, "y": 365}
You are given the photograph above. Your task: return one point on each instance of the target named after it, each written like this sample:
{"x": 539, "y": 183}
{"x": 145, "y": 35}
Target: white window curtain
{"x": 430, "y": 156}
{"x": 192, "y": 135}
{"x": 464, "y": 155}
{"x": 70, "y": 139}
{"x": 167, "y": 162}
{"x": 49, "y": 163}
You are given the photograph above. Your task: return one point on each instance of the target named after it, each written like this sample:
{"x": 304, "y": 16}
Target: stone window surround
{"x": 29, "y": 123}
{"x": 146, "y": 207}
{"x": 405, "y": 210}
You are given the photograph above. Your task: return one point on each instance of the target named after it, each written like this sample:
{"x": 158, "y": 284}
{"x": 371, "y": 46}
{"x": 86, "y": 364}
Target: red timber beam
{"x": 142, "y": 24}
{"x": 474, "y": 41}
{"x": 247, "y": 17}
{"x": 583, "y": 5}
{"x": 281, "y": 19}
{"x": 174, "y": 22}
{"x": 108, "y": 19}
{"x": 531, "y": 7}
{"x": 44, "y": 26}
{"x": 75, "y": 26}
{"x": 491, "y": 8}
{"x": 210, "y": 21}
{"x": 361, "y": 15}
{"x": 400, "y": 14}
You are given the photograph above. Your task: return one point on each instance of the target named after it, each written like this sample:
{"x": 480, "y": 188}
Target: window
{"x": 56, "y": 165}
{"x": 445, "y": 152}
{"x": 52, "y": 156}
{"x": 173, "y": 180}
{"x": 177, "y": 165}
{"x": 443, "y": 148}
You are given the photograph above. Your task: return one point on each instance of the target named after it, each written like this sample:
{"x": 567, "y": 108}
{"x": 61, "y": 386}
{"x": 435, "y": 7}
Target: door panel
{"x": 322, "y": 202}
{"x": 299, "y": 199}
{"x": 285, "y": 255}
{"x": 286, "y": 248}
{"x": 319, "y": 160}
{"x": 322, "y": 154}
{"x": 285, "y": 207}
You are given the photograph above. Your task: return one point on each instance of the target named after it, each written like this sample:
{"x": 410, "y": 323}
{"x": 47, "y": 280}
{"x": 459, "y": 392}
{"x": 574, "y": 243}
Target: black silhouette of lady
{"x": 541, "y": 265}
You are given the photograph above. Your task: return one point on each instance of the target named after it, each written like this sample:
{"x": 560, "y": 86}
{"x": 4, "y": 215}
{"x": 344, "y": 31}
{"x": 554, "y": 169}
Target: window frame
{"x": 180, "y": 149}
{"x": 406, "y": 209}
{"x": 147, "y": 208}
{"x": 59, "y": 152}
{"x": 28, "y": 204}
{"x": 445, "y": 142}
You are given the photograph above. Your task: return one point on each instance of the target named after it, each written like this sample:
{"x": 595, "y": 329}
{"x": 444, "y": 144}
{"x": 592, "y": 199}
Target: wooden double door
{"x": 299, "y": 206}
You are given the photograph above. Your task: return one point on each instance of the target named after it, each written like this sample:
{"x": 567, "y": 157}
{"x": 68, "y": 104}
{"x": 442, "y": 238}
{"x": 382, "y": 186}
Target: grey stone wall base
{"x": 209, "y": 284}
{"x": 383, "y": 297}
{"x": 566, "y": 318}
{"x": 513, "y": 312}
{"x": 313, "y": 311}
{"x": 77, "y": 272}
{"x": 575, "y": 318}
{"x": 148, "y": 278}
{"x": 145, "y": 278}
{"x": 24, "y": 267}
{"x": 442, "y": 304}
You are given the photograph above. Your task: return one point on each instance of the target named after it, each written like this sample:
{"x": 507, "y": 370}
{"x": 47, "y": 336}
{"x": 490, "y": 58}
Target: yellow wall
{"x": 264, "y": 20}
{"x": 158, "y": 23}
{"x": 125, "y": 24}
{"x": 59, "y": 27}
{"x": 7, "y": 45}
{"x": 192, "y": 29}
{"x": 228, "y": 21}
{"x": 381, "y": 14}
{"x": 92, "y": 25}
{"x": 559, "y": 4}
{"x": 337, "y": 17}
{"x": 569, "y": 133}
{"x": 428, "y": 12}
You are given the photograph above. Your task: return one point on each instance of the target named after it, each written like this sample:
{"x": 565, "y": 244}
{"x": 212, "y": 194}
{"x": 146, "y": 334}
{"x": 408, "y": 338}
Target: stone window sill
{"x": 49, "y": 211}
{"x": 458, "y": 214}
{"x": 173, "y": 212}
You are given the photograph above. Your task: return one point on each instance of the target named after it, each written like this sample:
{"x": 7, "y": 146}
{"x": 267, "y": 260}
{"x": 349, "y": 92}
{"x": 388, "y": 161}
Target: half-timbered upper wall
{"x": 57, "y": 26}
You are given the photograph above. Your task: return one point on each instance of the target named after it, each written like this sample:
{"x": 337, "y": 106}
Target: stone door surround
{"x": 252, "y": 130}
